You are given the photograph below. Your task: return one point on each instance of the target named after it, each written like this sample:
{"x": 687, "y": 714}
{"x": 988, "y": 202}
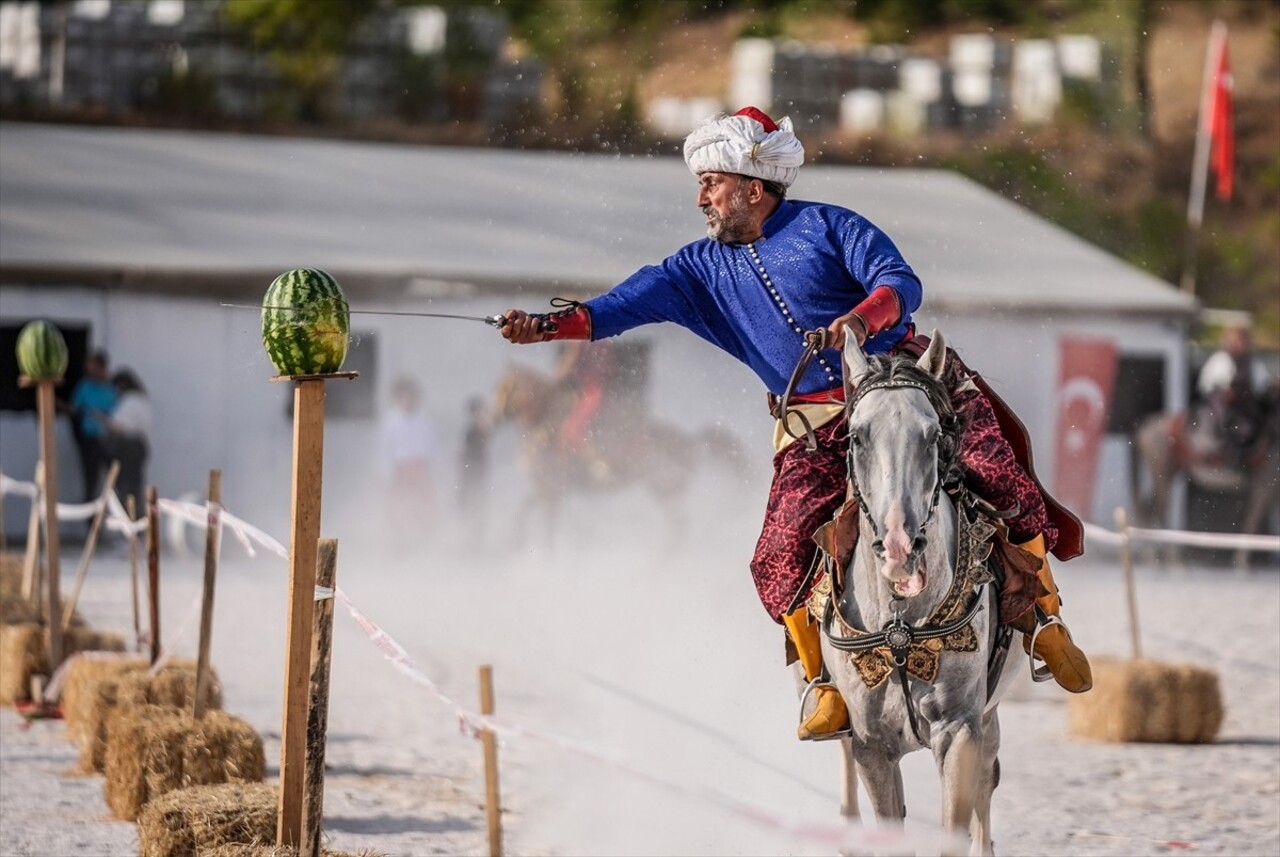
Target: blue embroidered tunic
{"x": 814, "y": 263}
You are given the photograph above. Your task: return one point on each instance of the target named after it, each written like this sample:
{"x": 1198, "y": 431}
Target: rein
{"x": 814, "y": 341}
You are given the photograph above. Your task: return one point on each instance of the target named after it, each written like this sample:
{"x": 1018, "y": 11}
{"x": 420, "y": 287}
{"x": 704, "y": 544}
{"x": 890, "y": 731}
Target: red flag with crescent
{"x": 1086, "y": 381}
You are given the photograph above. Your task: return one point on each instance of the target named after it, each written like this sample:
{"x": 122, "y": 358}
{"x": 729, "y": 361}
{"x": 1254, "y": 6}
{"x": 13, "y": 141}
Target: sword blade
{"x": 491, "y": 320}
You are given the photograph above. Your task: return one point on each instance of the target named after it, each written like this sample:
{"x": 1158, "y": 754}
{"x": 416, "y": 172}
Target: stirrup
{"x": 804, "y": 697}
{"x": 1042, "y": 672}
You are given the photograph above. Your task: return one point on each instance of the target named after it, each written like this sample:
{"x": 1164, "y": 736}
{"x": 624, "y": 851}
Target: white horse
{"x": 898, "y": 617}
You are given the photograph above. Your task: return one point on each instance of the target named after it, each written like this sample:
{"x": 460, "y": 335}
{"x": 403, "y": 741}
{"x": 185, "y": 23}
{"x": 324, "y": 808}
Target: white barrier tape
{"x": 324, "y": 593}
{"x": 1102, "y": 534}
{"x": 118, "y": 519}
{"x": 166, "y": 650}
{"x": 1182, "y": 537}
{"x": 65, "y": 511}
{"x": 248, "y": 533}
{"x": 13, "y": 486}
{"x": 1171, "y": 844}
{"x": 1210, "y": 540}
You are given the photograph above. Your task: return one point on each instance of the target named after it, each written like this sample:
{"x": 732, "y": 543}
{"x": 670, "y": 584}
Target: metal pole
{"x": 1200, "y": 162}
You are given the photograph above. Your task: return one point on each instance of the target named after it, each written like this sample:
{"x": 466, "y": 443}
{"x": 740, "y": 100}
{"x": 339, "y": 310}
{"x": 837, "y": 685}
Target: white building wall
{"x": 216, "y": 407}
{"x": 1017, "y": 353}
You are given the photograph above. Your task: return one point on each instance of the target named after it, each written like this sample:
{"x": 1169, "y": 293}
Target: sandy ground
{"x": 664, "y": 664}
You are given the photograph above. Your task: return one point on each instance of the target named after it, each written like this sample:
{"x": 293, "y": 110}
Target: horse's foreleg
{"x": 882, "y": 778}
{"x": 958, "y": 753}
{"x": 988, "y": 779}
{"x": 848, "y": 780}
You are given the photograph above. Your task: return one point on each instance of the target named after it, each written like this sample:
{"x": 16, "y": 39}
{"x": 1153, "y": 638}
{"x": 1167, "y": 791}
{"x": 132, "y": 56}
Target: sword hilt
{"x": 545, "y": 325}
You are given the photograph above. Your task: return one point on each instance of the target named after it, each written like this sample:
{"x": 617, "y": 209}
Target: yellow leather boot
{"x": 1044, "y": 629}
{"x": 830, "y": 716}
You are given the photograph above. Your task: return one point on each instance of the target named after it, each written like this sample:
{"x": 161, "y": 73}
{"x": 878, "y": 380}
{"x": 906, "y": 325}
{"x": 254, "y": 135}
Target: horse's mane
{"x": 889, "y": 369}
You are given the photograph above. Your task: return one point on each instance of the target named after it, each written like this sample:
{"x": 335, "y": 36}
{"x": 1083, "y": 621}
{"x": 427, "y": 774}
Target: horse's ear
{"x": 934, "y": 359}
{"x": 855, "y": 362}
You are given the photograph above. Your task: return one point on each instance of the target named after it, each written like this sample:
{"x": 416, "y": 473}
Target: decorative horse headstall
{"x": 944, "y": 454}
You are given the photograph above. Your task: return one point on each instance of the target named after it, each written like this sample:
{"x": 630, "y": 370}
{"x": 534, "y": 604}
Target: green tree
{"x": 306, "y": 41}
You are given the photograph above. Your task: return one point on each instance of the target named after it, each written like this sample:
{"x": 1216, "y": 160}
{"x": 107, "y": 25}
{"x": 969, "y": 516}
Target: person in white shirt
{"x": 1232, "y": 384}
{"x": 408, "y": 447}
{"x": 128, "y": 441}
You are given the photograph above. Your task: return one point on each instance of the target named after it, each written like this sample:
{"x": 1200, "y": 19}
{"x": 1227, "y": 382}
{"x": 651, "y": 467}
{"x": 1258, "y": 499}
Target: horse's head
{"x": 902, "y": 445}
{"x": 522, "y": 396}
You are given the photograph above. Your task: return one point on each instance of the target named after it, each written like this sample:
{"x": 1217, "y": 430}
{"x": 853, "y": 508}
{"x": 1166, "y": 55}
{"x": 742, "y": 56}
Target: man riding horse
{"x": 772, "y": 274}
{"x": 1233, "y": 385}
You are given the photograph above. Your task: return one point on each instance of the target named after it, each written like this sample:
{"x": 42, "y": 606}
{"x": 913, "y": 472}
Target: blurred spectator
{"x": 93, "y": 397}
{"x": 474, "y": 467}
{"x": 1232, "y": 385}
{"x": 128, "y": 437}
{"x": 408, "y": 444}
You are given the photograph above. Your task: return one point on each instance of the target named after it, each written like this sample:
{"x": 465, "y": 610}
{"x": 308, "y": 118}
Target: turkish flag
{"x": 1086, "y": 380}
{"x": 1220, "y": 123}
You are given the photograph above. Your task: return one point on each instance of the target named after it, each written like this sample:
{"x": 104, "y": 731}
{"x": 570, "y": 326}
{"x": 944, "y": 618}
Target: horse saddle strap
{"x": 839, "y": 536}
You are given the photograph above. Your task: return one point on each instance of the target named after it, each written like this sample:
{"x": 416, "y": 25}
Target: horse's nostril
{"x": 878, "y": 547}
{"x": 920, "y": 543}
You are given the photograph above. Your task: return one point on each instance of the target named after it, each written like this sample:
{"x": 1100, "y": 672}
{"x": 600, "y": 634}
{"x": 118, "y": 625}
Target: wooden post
{"x": 308, "y": 470}
{"x": 153, "y": 569}
{"x": 318, "y": 702}
{"x": 131, "y": 506}
{"x": 90, "y": 544}
{"x": 46, "y": 407}
{"x": 212, "y": 544}
{"x": 32, "y": 558}
{"x": 1126, "y": 561}
{"x": 493, "y": 797}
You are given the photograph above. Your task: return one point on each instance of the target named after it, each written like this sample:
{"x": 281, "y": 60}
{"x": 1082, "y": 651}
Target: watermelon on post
{"x": 41, "y": 351}
{"x": 305, "y": 323}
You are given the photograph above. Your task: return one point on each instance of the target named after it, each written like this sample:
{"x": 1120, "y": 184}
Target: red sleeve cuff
{"x": 569, "y": 324}
{"x": 880, "y": 310}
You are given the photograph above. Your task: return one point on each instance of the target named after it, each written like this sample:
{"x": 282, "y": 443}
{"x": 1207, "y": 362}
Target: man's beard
{"x": 734, "y": 225}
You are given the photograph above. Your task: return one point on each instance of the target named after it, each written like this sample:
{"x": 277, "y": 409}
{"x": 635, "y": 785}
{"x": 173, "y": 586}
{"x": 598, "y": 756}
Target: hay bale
{"x": 10, "y": 574}
{"x": 144, "y": 746}
{"x": 156, "y": 749}
{"x": 129, "y": 686}
{"x": 1148, "y": 701}
{"x": 81, "y": 638}
{"x": 198, "y": 819}
{"x": 281, "y": 851}
{"x": 24, "y": 652}
{"x": 88, "y": 696}
{"x": 15, "y": 610}
{"x": 221, "y": 748}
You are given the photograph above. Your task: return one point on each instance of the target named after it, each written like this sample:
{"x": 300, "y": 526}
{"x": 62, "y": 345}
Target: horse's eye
{"x": 855, "y": 438}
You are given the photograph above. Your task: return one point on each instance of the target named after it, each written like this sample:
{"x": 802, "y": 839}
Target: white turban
{"x": 743, "y": 144}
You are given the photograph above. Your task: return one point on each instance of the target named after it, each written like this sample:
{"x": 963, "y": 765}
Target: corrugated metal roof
{"x": 122, "y": 202}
